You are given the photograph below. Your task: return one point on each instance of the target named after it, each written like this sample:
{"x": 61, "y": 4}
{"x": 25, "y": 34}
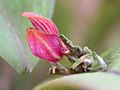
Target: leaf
{"x": 16, "y": 7}
{"x": 13, "y": 45}
{"x": 46, "y": 7}
{"x": 109, "y": 14}
{"x": 86, "y": 81}
{"x": 112, "y": 57}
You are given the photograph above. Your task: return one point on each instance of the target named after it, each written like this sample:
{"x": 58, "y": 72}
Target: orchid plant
{"x": 46, "y": 43}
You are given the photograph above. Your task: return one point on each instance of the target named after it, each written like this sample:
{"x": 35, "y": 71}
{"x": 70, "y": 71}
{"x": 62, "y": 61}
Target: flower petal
{"x": 41, "y": 23}
{"x": 45, "y": 46}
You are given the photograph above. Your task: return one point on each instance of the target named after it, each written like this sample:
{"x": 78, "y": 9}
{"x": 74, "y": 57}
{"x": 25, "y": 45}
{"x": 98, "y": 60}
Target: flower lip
{"x": 46, "y": 46}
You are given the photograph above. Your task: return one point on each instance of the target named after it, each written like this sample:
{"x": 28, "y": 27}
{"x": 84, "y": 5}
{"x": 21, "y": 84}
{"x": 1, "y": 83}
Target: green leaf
{"x": 87, "y": 81}
{"x": 112, "y": 57}
{"x": 109, "y": 14}
{"x": 46, "y": 7}
{"x": 13, "y": 46}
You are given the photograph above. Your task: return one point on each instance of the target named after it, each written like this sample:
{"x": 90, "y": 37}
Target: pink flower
{"x": 43, "y": 39}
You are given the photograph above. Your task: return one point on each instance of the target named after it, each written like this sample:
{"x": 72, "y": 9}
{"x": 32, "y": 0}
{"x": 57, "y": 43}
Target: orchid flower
{"x": 43, "y": 38}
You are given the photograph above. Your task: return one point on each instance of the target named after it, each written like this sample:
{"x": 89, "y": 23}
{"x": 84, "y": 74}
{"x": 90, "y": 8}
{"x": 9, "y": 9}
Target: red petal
{"x": 45, "y": 46}
{"x": 41, "y": 23}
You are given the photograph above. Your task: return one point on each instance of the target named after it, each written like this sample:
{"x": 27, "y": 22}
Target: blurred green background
{"x": 92, "y": 23}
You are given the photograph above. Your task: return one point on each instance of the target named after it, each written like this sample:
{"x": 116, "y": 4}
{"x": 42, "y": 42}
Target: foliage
{"x": 88, "y": 81}
{"x": 13, "y": 46}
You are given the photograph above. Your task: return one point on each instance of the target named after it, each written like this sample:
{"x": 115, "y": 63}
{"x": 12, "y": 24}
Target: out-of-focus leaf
{"x": 112, "y": 57}
{"x": 45, "y": 7}
{"x": 108, "y": 16}
{"x": 88, "y": 81}
{"x": 11, "y": 48}
{"x": 13, "y": 45}
{"x": 62, "y": 17}
{"x": 14, "y": 9}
